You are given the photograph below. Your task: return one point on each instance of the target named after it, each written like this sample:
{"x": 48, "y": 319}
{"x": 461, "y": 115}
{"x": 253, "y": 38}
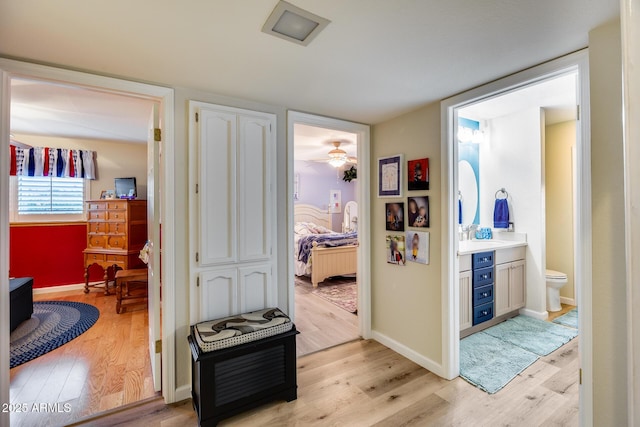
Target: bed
{"x": 330, "y": 254}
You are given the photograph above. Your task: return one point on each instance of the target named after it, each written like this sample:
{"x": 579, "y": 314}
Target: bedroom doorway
{"x": 328, "y": 284}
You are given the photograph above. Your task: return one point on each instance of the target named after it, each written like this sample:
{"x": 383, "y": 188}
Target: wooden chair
{"x": 126, "y": 280}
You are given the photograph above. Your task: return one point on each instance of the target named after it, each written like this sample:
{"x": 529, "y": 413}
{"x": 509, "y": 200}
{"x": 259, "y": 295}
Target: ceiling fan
{"x": 338, "y": 157}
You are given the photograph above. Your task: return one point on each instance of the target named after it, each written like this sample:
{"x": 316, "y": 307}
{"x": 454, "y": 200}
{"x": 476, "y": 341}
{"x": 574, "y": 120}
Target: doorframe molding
{"x": 165, "y": 96}
{"x": 578, "y": 61}
{"x": 364, "y": 202}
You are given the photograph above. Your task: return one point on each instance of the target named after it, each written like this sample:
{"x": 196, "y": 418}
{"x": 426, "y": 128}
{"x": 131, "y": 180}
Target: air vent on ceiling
{"x": 291, "y": 23}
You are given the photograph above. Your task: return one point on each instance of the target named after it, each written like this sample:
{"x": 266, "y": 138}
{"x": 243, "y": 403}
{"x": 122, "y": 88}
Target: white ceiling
{"x": 376, "y": 59}
{"x": 314, "y": 143}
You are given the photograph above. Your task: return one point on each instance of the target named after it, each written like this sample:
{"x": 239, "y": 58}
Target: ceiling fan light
{"x": 336, "y": 162}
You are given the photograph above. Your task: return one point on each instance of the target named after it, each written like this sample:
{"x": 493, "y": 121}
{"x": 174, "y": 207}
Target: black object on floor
{"x": 21, "y": 300}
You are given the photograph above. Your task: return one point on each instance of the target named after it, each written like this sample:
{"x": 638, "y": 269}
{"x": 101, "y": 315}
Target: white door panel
{"x": 218, "y": 294}
{"x": 255, "y": 288}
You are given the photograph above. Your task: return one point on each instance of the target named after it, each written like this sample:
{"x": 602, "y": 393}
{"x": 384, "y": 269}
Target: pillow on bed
{"x": 310, "y": 228}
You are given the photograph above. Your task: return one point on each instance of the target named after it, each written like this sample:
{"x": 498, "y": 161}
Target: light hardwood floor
{"x": 104, "y": 368}
{"x": 320, "y": 323}
{"x": 363, "y": 383}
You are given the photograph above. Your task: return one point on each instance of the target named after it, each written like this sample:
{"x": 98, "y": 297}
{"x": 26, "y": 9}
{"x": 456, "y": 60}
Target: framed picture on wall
{"x": 395, "y": 250}
{"x": 418, "y": 174}
{"x": 417, "y": 247}
{"x": 335, "y": 201}
{"x": 418, "y": 211}
{"x": 394, "y": 214}
{"x": 390, "y": 176}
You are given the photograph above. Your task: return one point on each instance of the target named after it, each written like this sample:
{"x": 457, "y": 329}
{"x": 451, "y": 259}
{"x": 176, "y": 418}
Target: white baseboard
{"x": 61, "y": 288}
{"x": 182, "y": 393}
{"x": 540, "y": 315}
{"x": 410, "y": 354}
{"x": 567, "y": 300}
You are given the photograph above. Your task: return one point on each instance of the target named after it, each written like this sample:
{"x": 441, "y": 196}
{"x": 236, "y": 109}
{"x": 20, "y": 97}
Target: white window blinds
{"x": 50, "y": 195}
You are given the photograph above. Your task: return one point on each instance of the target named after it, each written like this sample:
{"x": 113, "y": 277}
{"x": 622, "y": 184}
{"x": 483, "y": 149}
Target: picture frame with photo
{"x": 390, "y": 176}
{"x": 395, "y": 249}
{"x": 417, "y": 247}
{"x": 394, "y": 216}
{"x": 417, "y": 214}
{"x": 418, "y": 174}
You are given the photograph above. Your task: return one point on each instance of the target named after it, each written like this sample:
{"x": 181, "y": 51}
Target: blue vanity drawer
{"x": 482, "y": 313}
{"x": 482, "y": 295}
{"x": 482, "y": 259}
{"x": 482, "y": 277}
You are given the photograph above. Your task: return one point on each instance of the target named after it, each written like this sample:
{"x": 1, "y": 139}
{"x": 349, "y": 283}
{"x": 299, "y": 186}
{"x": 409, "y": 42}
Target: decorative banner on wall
{"x": 58, "y": 162}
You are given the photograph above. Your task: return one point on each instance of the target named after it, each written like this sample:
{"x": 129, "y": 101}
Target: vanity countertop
{"x": 471, "y": 246}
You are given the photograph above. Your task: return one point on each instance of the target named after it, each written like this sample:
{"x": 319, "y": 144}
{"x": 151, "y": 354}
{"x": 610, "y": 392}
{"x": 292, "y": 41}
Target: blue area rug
{"x": 52, "y": 324}
{"x": 569, "y": 319}
{"x": 490, "y": 363}
{"x": 492, "y": 358}
{"x": 536, "y": 336}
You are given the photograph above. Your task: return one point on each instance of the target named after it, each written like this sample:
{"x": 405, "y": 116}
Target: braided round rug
{"x": 52, "y": 324}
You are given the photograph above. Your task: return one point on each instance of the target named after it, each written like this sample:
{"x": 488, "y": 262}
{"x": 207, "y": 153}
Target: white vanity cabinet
{"x": 466, "y": 292}
{"x": 510, "y": 280}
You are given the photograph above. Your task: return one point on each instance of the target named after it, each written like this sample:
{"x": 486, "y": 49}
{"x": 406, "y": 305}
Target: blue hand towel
{"x": 459, "y": 211}
{"x": 501, "y": 214}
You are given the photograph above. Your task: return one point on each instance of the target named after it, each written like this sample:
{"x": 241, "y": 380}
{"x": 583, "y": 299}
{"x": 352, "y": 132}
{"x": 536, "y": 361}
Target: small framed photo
{"x": 418, "y": 174}
{"x": 395, "y": 250}
{"x": 418, "y": 211}
{"x": 390, "y": 176}
{"x": 335, "y": 201}
{"x": 418, "y": 246}
{"x": 394, "y": 216}
{"x": 108, "y": 194}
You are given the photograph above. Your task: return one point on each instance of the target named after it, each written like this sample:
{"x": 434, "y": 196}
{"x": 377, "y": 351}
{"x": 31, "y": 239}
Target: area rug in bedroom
{"x": 339, "y": 291}
{"x": 53, "y": 324}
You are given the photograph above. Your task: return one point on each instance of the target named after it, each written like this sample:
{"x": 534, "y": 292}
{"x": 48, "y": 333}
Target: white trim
{"x": 410, "y": 354}
{"x": 5, "y": 358}
{"x": 567, "y": 300}
{"x": 183, "y": 392}
{"x": 166, "y": 97}
{"x": 364, "y": 204}
{"x": 630, "y": 24}
{"x": 450, "y": 317}
{"x": 61, "y": 288}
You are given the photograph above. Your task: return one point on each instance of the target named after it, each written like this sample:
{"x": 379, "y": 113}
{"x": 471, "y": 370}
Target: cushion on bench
{"x": 235, "y": 330}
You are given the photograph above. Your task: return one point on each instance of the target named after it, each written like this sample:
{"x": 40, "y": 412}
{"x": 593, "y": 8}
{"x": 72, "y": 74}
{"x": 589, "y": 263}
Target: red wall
{"x": 50, "y": 253}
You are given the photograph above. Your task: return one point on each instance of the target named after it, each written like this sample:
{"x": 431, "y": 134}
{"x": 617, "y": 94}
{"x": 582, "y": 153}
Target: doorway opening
{"x": 160, "y": 101}
{"x": 530, "y": 213}
{"x": 328, "y": 211}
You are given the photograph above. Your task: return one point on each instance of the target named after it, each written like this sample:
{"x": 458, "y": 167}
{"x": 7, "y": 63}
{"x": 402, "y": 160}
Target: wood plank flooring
{"x": 320, "y": 323}
{"x": 363, "y": 383}
{"x": 104, "y": 368}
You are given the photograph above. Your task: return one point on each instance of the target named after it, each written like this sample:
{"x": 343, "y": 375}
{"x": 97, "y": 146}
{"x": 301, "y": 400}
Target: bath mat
{"x": 490, "y": 363}
{"x": 536, "y": 336}
{"x": 569, "y": 319}
{"x": 53, "y": 323}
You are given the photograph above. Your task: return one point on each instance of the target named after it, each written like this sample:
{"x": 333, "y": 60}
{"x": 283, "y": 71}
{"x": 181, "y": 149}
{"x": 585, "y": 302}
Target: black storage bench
{"x": 241, "y": 362}
{"x": 21, "y": 300}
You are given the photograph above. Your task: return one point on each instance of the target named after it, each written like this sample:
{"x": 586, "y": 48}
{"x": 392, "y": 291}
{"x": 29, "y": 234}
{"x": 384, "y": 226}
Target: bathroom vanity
{"x": 492, "y": 282}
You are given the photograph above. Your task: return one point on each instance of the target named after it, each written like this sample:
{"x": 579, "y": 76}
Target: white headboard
{"x": 309, "y": 213}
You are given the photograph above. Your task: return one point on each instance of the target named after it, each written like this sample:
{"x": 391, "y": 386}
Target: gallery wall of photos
{"x": 405, "y": 218}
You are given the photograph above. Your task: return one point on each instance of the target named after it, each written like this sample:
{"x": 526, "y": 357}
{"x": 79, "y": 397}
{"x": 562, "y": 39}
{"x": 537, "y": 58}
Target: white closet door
{"x": 255, "y": 153}
{"x": 217, "y": 187}
{"x": 218, "y": 294}
{"x": 255, "y": 288}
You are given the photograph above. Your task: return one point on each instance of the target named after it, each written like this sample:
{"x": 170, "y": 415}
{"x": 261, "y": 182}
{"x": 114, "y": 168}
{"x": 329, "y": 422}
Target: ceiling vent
{"x": 291, "y": 23}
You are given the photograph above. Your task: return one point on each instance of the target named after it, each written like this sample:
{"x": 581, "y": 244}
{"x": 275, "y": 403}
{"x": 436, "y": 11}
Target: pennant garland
{"x": 58, "y": 162}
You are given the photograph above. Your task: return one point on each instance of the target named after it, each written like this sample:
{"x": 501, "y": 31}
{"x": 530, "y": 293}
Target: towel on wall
{"x": 501, "y": 214}
{"x": 459, "y": 211}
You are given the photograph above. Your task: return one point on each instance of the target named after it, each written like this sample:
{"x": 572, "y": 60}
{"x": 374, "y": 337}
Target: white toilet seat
{"x": 555, "y": 276}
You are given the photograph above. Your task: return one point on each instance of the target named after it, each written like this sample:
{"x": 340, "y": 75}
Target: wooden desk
{"x": 124, "y": 279}
{"x": 116, "y": 231}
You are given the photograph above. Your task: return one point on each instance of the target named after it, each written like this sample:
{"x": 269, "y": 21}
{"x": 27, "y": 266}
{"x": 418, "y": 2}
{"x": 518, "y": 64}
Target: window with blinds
{"x": 44, "y": 195}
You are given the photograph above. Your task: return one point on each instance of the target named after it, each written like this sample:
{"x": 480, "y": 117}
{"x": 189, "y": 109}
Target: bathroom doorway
{"x": 534, "y": 206}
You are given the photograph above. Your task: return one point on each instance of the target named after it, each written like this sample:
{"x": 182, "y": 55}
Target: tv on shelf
{"x": 126, "y": 188}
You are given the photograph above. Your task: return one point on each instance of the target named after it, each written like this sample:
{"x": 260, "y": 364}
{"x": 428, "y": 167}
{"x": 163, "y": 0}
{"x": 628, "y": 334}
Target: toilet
{"x": 555, "y": 281}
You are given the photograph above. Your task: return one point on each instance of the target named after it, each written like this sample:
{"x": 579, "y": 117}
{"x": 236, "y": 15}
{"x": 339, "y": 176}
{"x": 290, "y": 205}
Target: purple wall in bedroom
{"x": 316, "y": 180}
